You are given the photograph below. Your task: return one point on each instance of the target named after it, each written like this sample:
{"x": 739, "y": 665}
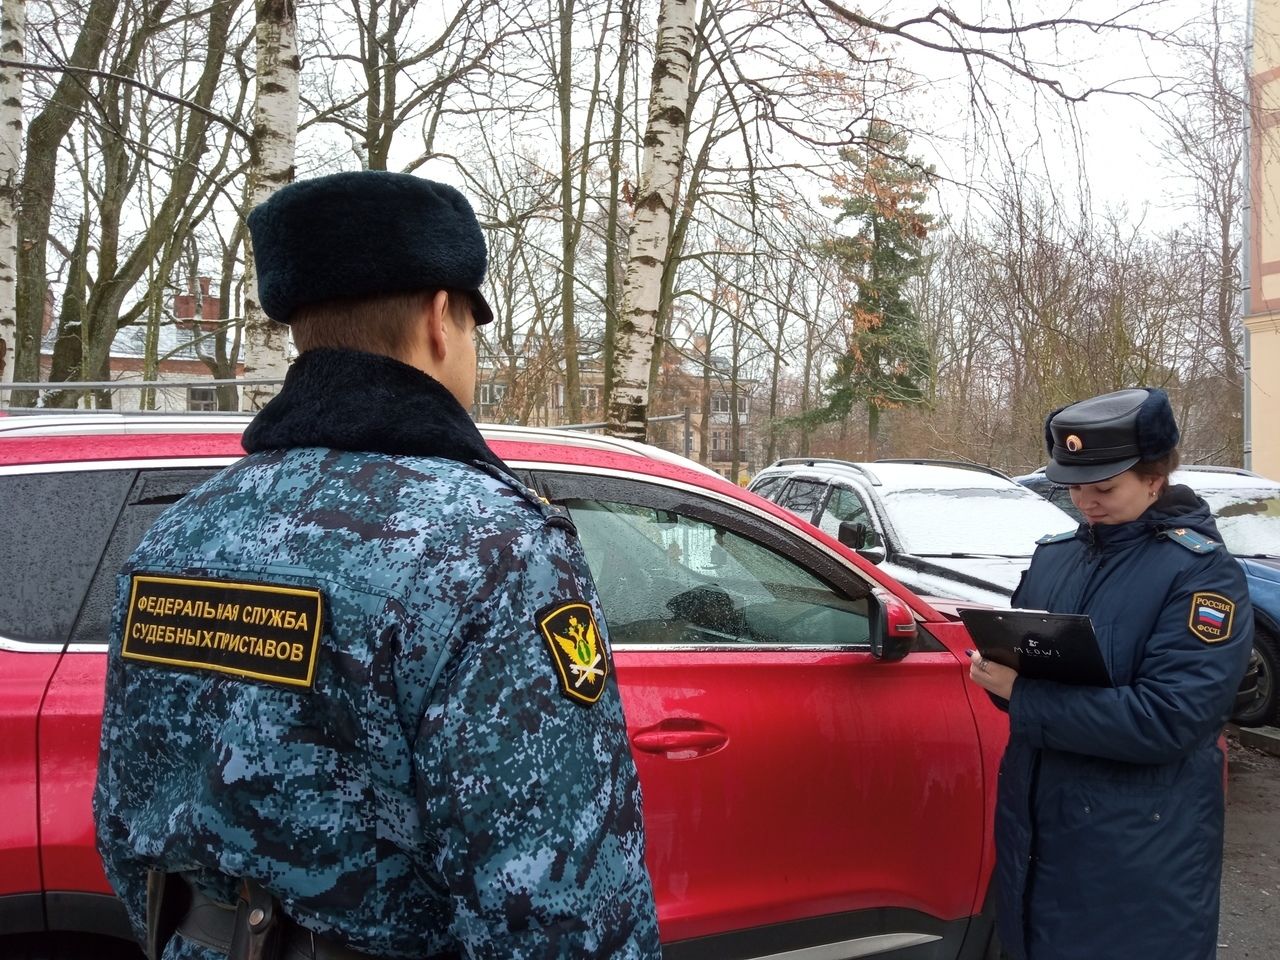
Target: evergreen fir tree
{"x": 885, "y": 364}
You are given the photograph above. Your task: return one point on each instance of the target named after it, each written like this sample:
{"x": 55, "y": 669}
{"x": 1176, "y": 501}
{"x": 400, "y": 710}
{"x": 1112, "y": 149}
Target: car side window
{"x": 768, "y": 487}
{"x": 54, "y": 527}
{"x": 802, "y": 497}
{"x": 845, "y": 505}
{"x": 665, "y": 577}
{"x": 153, "y": 493}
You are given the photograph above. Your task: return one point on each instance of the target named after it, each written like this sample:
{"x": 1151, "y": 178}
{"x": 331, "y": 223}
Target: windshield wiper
{"x": 1258, "y": 556}
{"x": 977, "y": 556}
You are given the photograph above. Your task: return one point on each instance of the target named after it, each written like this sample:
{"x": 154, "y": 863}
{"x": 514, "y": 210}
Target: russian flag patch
{"x": 1211, "y": 617}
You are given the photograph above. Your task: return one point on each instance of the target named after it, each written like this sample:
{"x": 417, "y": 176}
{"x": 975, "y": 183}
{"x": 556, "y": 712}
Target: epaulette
{"x": 555, "y": 516}
{"x": 1195, "y": 542}
{"x": 1057, "y": 537}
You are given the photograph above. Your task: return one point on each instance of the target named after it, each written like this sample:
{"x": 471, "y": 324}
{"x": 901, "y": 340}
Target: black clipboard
{"x": 1040, "y": 645}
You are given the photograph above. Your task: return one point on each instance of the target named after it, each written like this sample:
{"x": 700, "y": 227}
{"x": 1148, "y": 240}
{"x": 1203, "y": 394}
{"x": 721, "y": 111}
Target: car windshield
{"x": 1248, "y": 519}
{"x": 1004, "y": 521}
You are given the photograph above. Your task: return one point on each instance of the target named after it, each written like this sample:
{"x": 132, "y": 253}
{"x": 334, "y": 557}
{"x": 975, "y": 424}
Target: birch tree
{"x": 655, "y": 203}
{"x": 44, "y": 138}
{"x": 13, "y": 25}
{"x": 275, "y": 133}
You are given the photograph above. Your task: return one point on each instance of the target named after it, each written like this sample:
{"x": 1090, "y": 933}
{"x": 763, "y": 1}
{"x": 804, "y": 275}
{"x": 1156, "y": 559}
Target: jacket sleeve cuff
{"x": 1024, "y": 717}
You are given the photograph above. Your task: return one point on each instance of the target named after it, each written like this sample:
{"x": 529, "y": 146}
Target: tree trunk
{"x": 568, "y": 233}
{"x": 612, "y": 295}
{"x": 687, "y": 200}
{"x": 226, "y": 344}
{"x": 775, "y": 374}
{"x": 151, "y": 345}
{"x": 69, "y": 345}
{"x": 275, "y": 132}
{"x": 44, "y": 137}
{"x": 13, "y": 25}
{"x": 164, "y": 233}
{"x": 735, "y": 424}
{"x": 704, "y": 425}
{"x": 664, "y": 147}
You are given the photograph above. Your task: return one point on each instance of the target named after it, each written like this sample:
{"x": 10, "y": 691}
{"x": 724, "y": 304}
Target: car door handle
{"x": 682, "y": 742}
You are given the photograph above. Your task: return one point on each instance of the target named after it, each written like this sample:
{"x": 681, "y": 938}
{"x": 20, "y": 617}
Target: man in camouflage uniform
{"x": 359, "y": 697}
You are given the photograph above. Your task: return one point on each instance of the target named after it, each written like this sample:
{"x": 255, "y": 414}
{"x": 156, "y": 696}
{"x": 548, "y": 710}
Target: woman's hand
{"x": 993, "y": 677}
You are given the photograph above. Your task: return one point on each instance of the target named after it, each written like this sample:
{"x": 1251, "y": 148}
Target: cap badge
{"x": 1074, "y": 443}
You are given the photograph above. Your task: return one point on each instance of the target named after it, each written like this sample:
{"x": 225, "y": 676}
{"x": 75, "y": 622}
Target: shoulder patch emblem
{"x": 576, "y": 648}
{"x": 1211, "y": 617}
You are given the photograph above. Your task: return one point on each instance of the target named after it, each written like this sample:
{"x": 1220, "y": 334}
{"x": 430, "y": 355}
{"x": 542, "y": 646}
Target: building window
{"x": 590, "y": 397}
{"x": 720, "y": 404}
{"x": 492, "y": 393}
{"x": 202, "y": 398}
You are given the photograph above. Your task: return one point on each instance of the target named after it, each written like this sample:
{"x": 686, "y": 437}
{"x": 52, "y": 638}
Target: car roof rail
{"x": 826, "y": 462}
{"x": 938, "y": 462}
{"x": 44, "y": 422}
{"x": 593, "y": 441}
{"x": 1239, "y": 471}
{"x": 63, "y": 422}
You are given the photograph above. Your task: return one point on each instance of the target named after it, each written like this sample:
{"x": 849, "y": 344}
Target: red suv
{"x": 818, "y": 773}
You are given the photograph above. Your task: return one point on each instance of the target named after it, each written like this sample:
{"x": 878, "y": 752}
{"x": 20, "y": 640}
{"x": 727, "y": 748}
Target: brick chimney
{"x": 184, "y": 304}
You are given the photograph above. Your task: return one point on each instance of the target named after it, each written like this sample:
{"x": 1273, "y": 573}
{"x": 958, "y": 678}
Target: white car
{"x": 946, "y": 529}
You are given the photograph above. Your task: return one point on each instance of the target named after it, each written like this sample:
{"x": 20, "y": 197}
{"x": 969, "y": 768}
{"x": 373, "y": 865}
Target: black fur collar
{"x": 348, "y": 400}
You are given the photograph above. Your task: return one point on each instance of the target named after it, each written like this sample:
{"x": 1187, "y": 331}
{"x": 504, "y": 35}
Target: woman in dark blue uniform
{"x": 1110, "y": 812}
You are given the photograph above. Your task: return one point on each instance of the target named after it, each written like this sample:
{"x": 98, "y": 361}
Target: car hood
{"x": 1258, "y": 568}
{"x": 988, "y": 580}
{"x": 993, "y": 573}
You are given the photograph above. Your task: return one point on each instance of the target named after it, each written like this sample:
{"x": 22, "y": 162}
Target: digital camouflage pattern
{"x": 434, "y": 793}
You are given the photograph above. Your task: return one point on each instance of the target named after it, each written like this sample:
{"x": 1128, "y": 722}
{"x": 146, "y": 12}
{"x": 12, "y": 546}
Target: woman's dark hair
{"x": 1160, "y": 467}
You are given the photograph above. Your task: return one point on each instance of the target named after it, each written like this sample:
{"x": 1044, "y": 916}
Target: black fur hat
{"x": 366, "y": 234}
{"x": 1103, "y": 436}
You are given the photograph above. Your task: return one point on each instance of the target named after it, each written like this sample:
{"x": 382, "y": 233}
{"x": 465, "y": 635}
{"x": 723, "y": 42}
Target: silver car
{"x": 942, "y": 528}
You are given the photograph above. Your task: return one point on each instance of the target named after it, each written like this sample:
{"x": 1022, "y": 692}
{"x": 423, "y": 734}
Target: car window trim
{"x": 11, "y": 645}
{"x": 818, "y": 505}
{"x": 744, "y": 520}
{"x": 136, "y": 463}
{"x": 538, "y": 469}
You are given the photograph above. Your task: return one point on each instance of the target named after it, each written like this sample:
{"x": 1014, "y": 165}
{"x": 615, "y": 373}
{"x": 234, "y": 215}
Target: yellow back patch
{"x": 577, "y": 650}
{"x": 262, "y": 631}
{"x": 1212, "y": 616}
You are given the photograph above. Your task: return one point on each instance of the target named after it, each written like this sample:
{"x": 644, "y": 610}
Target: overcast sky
{"x": 1106, "y": 148}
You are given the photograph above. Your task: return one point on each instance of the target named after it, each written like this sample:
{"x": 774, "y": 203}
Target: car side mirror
{"x": 872, "y": 554}
{"x": 893, "y": 626}
{"x": 860, "y": 538}
{"x": 852, "y": 535}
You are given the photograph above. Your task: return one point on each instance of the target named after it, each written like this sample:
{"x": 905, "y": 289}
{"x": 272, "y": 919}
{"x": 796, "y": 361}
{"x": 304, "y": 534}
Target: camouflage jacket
{"x": 376, "y": 681}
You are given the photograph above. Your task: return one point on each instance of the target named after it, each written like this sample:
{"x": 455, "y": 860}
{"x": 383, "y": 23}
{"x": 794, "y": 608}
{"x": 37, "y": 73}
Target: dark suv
{"x": 1247, "y": 508}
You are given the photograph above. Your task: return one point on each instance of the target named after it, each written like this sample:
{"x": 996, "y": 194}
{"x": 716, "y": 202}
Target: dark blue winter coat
{"x": 1110, "y": 815}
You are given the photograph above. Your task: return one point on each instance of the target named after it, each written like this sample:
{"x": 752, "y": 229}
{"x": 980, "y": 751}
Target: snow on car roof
{"x": 904, "y": 476}
{"x": 1210, "y": 479}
